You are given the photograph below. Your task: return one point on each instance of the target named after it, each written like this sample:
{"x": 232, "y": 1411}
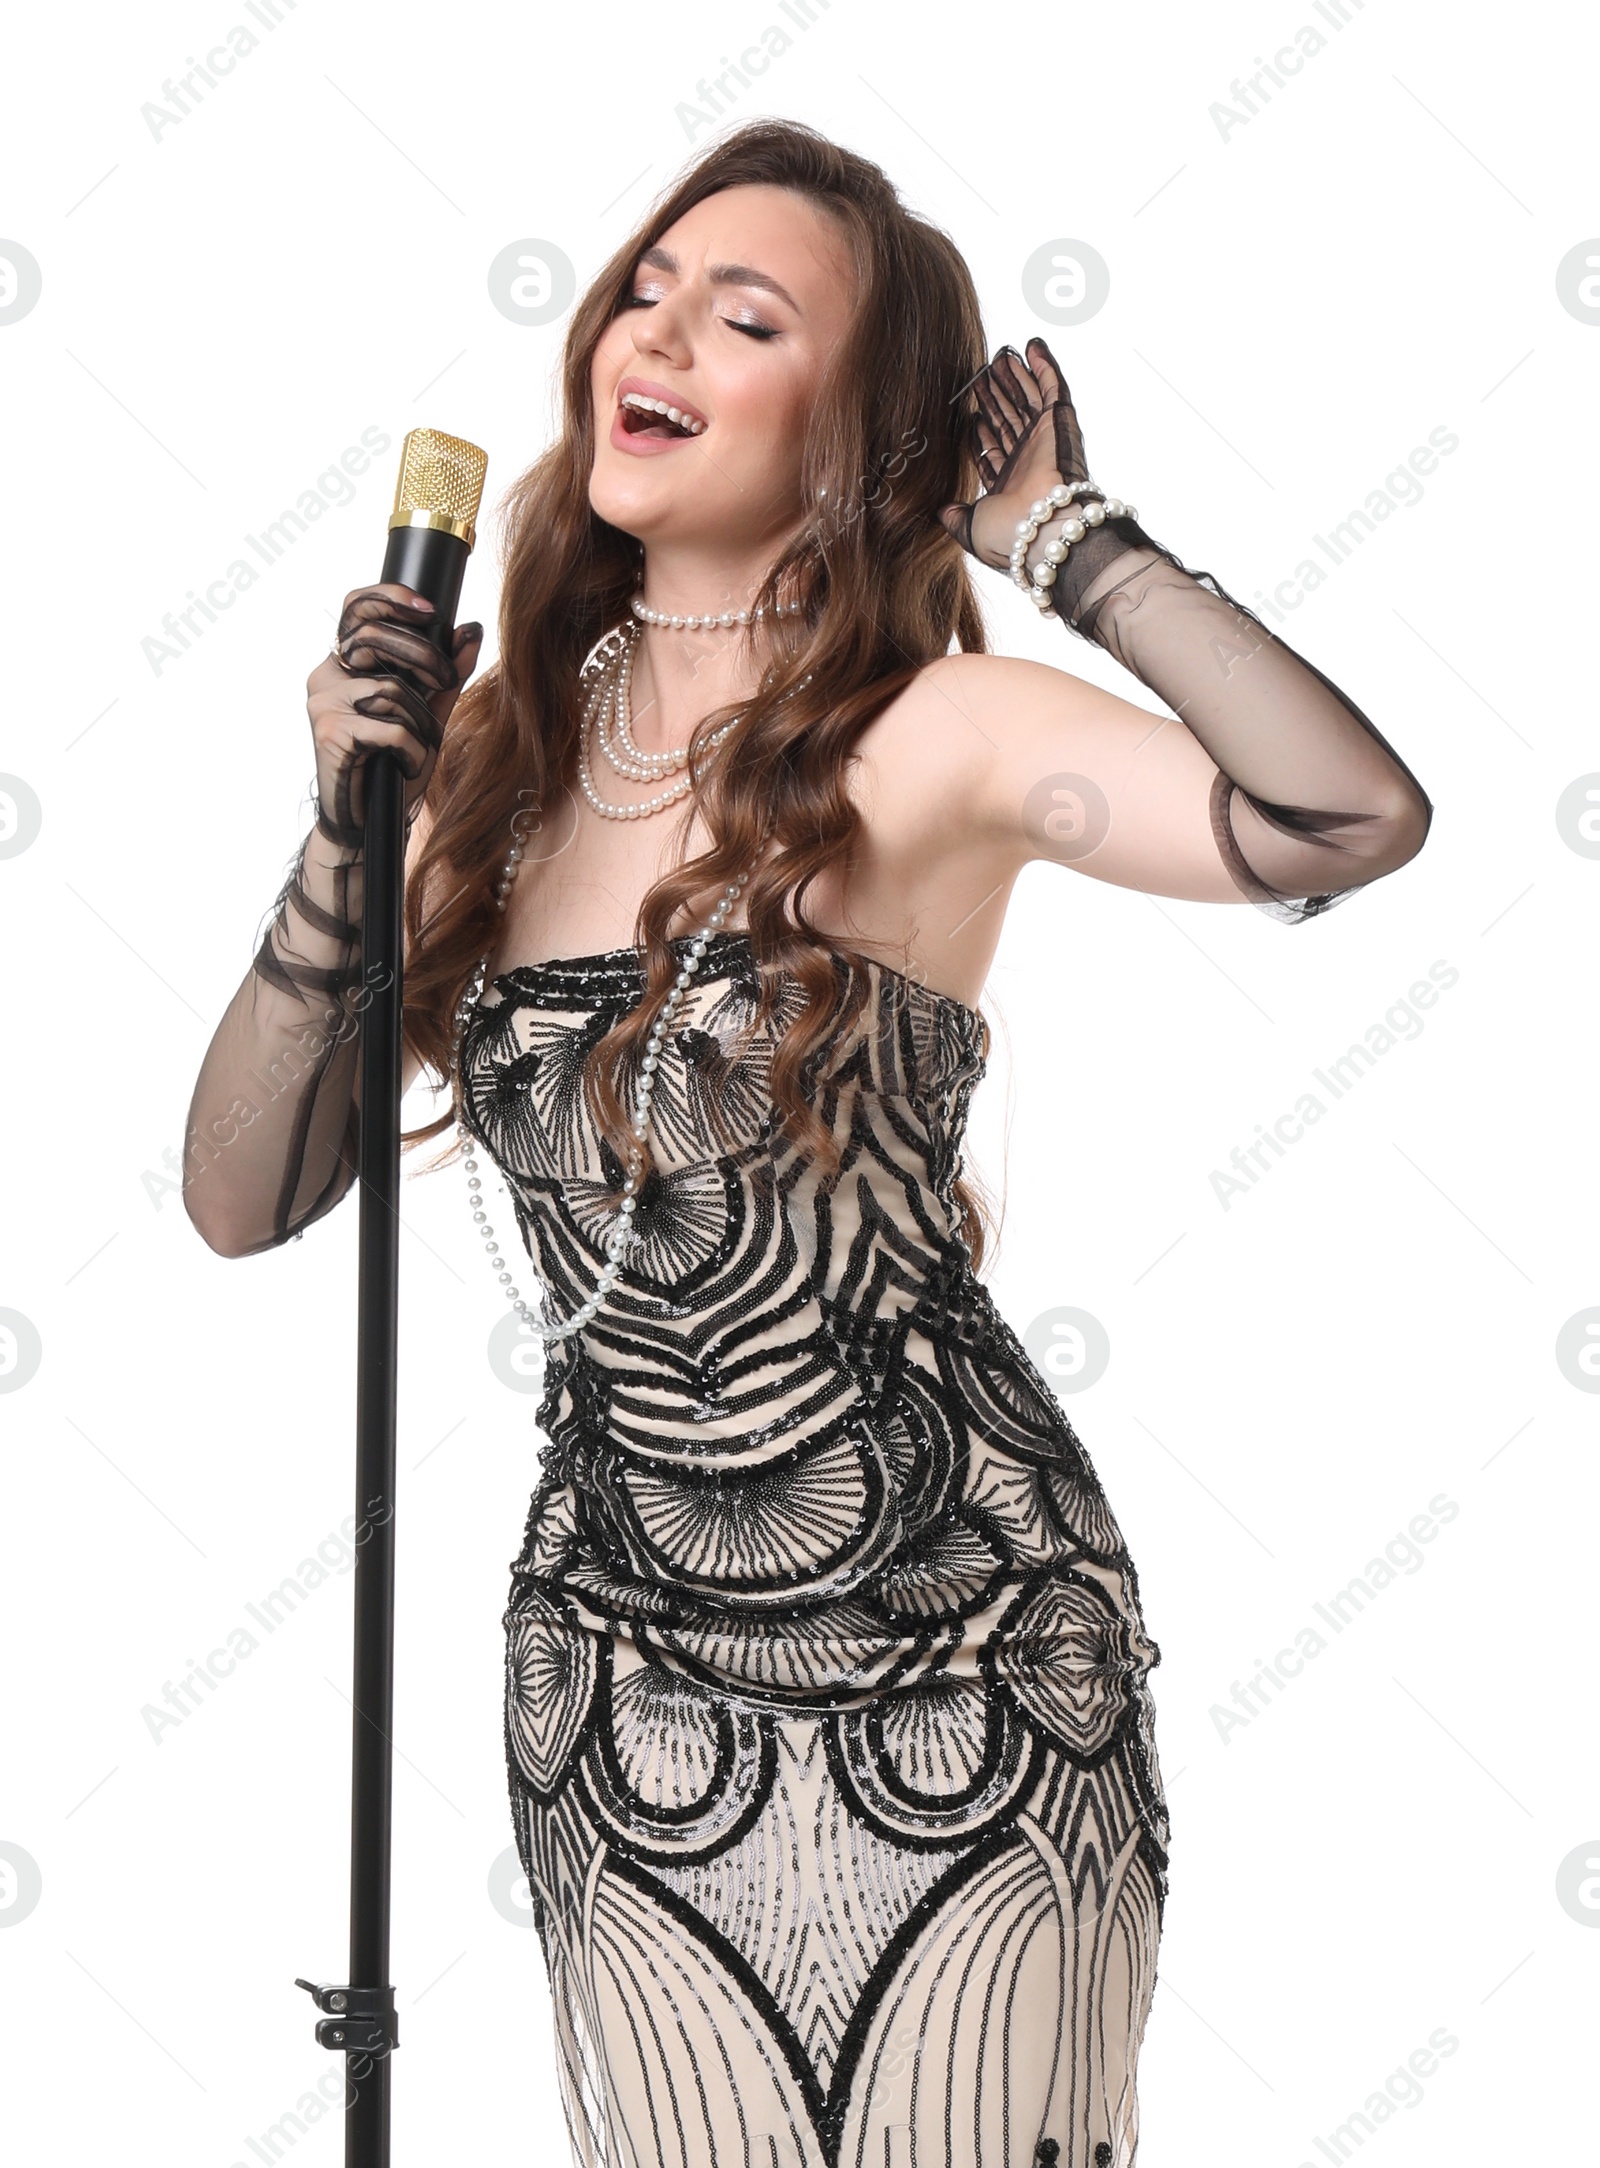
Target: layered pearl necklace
{"x": 611, "y": 702}
{"x": 609, "y": 663}
{"x": 609, "y": 711}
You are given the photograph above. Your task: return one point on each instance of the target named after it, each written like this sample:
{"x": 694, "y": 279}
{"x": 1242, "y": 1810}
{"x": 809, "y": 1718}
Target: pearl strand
{"x": 633, "y": 761}
{"x": 710, "y": 621}
{"x": 620, "y": 1237}
{"x": 1037, "y": 583}
{"x": 596, "y": 709}
{"x": 637, "y": 811}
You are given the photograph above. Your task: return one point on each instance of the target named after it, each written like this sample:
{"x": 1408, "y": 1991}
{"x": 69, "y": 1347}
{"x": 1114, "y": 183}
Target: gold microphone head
{"x": 440, "y": 485}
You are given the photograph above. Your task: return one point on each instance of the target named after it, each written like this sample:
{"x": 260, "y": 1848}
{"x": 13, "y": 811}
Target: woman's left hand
{"x": 1027, "y": 439}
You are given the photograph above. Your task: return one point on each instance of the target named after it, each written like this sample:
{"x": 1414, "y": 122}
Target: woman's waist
{"x": 1067, "y": 1642}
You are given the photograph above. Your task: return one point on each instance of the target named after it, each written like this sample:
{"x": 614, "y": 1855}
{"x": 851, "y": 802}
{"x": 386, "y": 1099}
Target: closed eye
{"x": 751, "y": 330}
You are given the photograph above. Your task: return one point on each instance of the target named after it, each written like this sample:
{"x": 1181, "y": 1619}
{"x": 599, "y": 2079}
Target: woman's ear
{"x": 956, "y": 520}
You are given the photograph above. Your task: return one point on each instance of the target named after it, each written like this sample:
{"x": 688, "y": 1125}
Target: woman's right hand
{"x": 359, "y": 702}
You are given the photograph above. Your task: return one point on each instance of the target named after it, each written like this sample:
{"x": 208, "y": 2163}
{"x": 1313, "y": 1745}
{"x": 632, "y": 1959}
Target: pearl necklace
{"x": 597, "y": 711}
{"x": 711, "y": 621}
{"x": 620, "y": 1237}
{"x": 617, "y": 703}
{"x": 613, "y": 675}
{"x": 632, "y": 761}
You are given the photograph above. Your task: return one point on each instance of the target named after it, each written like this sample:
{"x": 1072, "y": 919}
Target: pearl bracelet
{"x": 1036, "y": 585}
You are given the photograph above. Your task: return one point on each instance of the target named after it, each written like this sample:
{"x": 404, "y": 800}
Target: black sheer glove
{"x": 403, "y": 680}
{"x": 1310, "y": 802}
{"x": 273, "y": 1129}
{"x": 291, "y": 957}
{"x": 385, "y": 684}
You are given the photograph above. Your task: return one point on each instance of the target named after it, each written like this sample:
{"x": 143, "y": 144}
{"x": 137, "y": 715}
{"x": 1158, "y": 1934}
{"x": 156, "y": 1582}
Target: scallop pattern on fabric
{"x": 828, "y": 1726}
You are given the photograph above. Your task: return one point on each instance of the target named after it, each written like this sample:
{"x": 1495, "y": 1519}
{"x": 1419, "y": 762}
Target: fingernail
{"x": 421, "y": 602}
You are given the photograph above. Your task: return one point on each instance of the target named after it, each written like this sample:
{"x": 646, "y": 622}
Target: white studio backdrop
{"x": 1338, "y": 1393}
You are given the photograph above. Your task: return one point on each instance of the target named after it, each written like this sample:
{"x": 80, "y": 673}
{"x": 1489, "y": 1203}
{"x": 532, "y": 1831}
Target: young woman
{"x": 828, "y": 1727}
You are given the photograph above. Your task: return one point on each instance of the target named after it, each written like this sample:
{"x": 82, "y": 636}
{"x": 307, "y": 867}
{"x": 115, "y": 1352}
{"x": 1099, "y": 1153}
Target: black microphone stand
{"x": 359, "y": 2018}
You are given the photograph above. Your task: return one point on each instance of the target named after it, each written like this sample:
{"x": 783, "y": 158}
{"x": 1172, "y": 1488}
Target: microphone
{"x": 434, "y": 522}
{"x": 431, "y": 533}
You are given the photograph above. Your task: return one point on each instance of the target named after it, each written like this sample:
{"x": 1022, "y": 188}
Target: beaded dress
{"x": 827, "y": 1721}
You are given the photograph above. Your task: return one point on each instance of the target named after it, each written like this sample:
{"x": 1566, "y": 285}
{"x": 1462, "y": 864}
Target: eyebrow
{"x": 724, "y": 274}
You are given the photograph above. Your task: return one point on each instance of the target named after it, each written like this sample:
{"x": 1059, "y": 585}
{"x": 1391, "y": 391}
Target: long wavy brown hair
{"x": 884, "y": 591}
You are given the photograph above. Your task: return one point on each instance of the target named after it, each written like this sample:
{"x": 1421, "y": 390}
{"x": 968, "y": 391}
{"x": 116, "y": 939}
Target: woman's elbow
{"x": 223, "y": 1232}
{"x": 1402, "y": 830}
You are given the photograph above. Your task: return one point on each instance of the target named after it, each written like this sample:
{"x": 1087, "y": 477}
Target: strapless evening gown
{"x": 828, "y": 1727}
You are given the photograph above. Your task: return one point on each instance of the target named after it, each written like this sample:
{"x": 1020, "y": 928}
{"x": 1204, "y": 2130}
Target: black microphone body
{"x": 432, "y": 562}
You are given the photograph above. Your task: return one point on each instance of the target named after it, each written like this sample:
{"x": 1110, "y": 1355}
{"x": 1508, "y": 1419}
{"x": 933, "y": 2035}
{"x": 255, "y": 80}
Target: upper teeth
{"x": 660, "y": 406}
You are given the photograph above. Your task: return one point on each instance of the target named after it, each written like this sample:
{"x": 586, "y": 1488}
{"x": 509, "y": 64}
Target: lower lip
{"x": 643, "y": 447}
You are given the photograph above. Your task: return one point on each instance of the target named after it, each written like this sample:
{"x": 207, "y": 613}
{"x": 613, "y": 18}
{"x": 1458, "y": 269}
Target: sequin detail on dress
{"x": 827, "y": 1721}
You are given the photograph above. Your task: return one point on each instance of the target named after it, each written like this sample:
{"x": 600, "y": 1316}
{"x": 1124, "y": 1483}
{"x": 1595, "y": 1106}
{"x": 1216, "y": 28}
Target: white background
{"x": 1294, "y": 306}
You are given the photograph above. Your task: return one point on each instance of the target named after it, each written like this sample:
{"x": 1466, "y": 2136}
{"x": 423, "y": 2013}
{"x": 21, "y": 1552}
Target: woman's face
{"x": 730, "y": 319}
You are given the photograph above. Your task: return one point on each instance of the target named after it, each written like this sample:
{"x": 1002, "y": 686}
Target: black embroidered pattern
{"x": 827, "y": 1720}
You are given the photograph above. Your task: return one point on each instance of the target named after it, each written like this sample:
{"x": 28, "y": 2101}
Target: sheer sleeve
{"x": 1310, "y": 802}
{"x": 271, "y": 1138}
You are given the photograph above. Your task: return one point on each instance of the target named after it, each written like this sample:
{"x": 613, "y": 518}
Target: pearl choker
{"x": 709, "y": 622}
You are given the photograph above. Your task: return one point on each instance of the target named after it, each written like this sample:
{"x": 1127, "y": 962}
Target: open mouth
{"x": 642, "y": 417}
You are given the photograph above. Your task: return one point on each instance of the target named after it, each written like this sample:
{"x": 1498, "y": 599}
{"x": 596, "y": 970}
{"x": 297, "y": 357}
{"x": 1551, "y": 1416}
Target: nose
{"x": 662, "y": 330}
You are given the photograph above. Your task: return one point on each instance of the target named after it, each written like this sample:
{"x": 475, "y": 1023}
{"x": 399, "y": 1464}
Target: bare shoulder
{"x": 942, "y": 744}
{"x": 992, "y": 672}
{"x": 967, "y": 699}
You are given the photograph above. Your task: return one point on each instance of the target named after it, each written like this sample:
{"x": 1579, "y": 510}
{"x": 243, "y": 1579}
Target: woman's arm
{"x": 273, "y": 1133}
{"x": 1277, "y": 790}
{"x": 271, "y": 1141}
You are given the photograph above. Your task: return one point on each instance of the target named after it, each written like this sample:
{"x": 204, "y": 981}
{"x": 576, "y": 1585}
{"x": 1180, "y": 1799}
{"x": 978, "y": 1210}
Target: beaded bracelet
{"x": 1037, "y": 584}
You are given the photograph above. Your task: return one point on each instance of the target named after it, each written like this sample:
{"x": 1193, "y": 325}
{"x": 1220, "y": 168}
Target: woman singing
{"x": 828, "y": 1723}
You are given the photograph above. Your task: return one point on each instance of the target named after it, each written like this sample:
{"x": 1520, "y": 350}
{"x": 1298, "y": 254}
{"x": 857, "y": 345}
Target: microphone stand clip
{"x": 360, "y": 2020}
